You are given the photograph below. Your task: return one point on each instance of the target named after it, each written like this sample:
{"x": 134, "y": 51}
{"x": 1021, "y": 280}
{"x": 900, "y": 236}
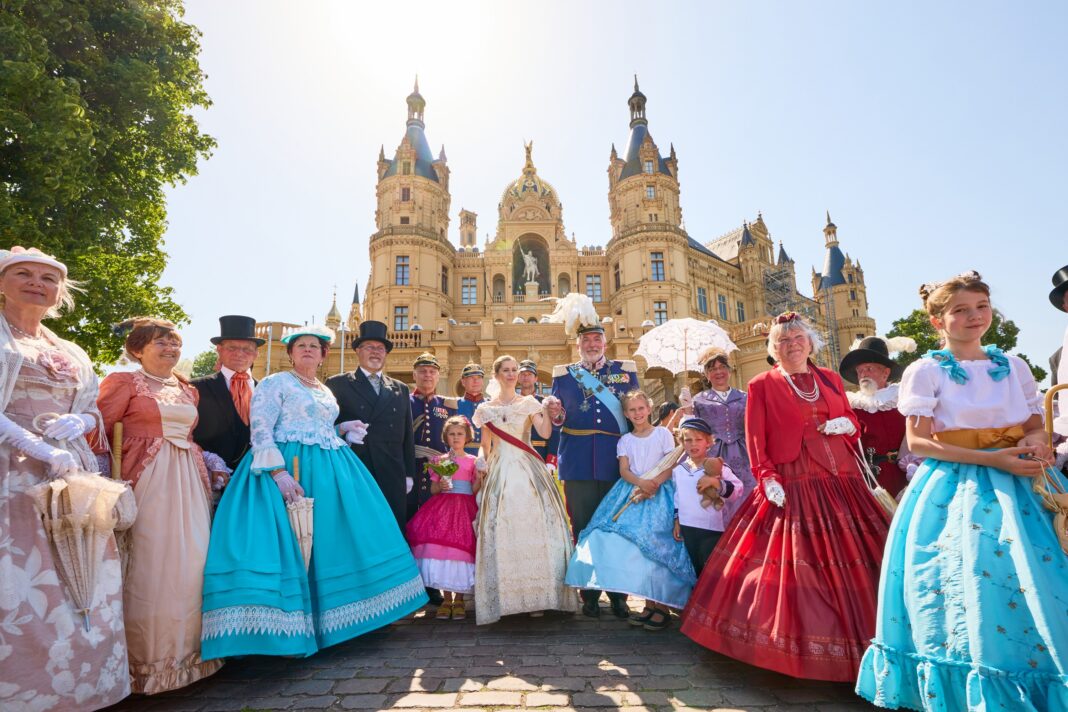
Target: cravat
{"x": 376, "y": 383}
{"x": 242, "y": 395}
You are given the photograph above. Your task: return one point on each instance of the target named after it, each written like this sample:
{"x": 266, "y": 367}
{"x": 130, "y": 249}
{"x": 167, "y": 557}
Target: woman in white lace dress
{"x": 523, "y": 538}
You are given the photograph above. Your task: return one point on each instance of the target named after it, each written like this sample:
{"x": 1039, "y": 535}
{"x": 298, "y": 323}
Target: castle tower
{"x": 647, "y": 254}
{"x": 353, "y": 322}
{"x": 468, "y": 229}
{"x": 842, "y": 295}
{"x": 411, "y": 256}
{"x": 333, "y": 317}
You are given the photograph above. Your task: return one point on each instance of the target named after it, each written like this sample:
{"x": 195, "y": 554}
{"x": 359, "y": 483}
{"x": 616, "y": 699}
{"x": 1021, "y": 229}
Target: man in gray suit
{"x": 367, "y": 394}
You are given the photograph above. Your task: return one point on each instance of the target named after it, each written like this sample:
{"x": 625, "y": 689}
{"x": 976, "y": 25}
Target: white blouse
{"x": 643, "y": 453}
{"x": 981, "y": 402}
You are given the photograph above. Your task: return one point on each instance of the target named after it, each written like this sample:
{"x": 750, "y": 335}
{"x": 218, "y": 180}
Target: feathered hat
{"x": 874, "y": 349}
{"x": 576, "y": 312}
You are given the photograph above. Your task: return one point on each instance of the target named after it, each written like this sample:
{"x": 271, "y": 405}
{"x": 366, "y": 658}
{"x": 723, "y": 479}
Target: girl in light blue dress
{"x": 973, "y": 600}
{"x": 637, "y": 553}
{"x": 258, "y": 596}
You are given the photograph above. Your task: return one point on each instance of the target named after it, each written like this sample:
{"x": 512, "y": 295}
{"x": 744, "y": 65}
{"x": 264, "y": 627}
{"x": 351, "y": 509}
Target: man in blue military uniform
{"x": 429, "y": 413}
{"x": 528, "y": 386}
{"x": 587, "y": 405}
{"x": 472, "y": 379}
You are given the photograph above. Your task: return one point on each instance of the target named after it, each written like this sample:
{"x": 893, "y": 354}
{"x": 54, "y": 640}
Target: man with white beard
{"x": 882, "y": 427}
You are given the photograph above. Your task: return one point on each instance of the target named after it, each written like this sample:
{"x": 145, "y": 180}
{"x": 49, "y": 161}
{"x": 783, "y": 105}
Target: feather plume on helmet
{"x": 576, "y": 312}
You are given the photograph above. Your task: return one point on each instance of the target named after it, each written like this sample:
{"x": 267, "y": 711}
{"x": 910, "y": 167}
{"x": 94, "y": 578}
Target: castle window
{"x": 402, "y": 276}
{"x": 650, "y": 192}
{"x": 658, "y": 266}
{"x": 647, "y": 167}
{"x": 853, "y": 295}
{"x": 860, "y": 336}
{"x": 404, "y": 220}
{"x": 741, "y": 310}
{"x": 469, "y": 290}
{"x": 721, "y": 305}
{"x": 702, "y": 300}
{"x": 400, "y": 318}
{"x": 659, "y": 313}
{"x": 850, "y": 275}
{"x": 615, "y": 275}
{"x": 445, "y": 280}
{"x": 593, "y": 287}
{"x": 406, "y": 194}
{"x": 406, "y": 168}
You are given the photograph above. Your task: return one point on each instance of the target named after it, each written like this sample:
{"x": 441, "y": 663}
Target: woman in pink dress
{"x": 442, "y": 533}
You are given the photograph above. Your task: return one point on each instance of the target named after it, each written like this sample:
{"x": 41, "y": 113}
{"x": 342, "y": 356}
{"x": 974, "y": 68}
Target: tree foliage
{"x": 95, "y": 122}
{"x": 204, "y": 363}
{"x": 1002, "y": 333}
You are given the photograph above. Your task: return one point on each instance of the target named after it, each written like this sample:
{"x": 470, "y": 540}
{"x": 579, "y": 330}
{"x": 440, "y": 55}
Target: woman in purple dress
{"x": 723, "y": 408}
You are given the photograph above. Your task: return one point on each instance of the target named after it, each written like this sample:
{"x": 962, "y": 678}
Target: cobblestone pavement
{"x": 552, "y": 664}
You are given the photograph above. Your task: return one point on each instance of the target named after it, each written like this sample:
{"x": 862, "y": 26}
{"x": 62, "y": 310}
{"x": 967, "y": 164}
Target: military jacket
{"x": 428, "y": 422}
{"x": 590, "y": 432}
{"x": 466, "y": 408}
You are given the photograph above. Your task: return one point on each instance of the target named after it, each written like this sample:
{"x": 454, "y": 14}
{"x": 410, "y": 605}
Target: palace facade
{"x": 467, "y": 303}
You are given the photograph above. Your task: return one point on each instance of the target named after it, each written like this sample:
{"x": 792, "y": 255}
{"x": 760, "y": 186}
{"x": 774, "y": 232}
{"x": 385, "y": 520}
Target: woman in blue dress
{"x": 973, "y": 600}
{"x": 259, "y": 598}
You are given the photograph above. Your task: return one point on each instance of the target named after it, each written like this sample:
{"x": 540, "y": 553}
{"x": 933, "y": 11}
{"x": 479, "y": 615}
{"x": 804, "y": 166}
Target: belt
{"x": 982, "y": 438}
{"x": 888, "y": 457}
{"x": 576, "y": 431}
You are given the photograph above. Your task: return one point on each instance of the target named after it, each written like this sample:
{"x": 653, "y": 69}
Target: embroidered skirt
{"x": 258, "y": 598}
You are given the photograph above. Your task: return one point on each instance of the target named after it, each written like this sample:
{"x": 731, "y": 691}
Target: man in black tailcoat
{"x": 225, "y": 396}
{"x": 367, "y": 394}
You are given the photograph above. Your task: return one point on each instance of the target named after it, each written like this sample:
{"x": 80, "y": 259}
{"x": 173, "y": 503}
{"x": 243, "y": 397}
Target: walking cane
{"x": 116, "y": 451}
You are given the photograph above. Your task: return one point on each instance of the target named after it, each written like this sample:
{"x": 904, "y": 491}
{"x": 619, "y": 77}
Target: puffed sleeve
{"x": 529, "y": 406}
{"x": 755, "y": 436}
{"x": 484, "y": 413}
{"x": 920, "y": 385}
{"x": 266, "y": 408}
{"x": 116, "y": 390}
{"x": 667, "y": 440}
{"x": 1022, "y": 372}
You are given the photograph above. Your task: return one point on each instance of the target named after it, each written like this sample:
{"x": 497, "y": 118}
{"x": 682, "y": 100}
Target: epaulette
{"x": 560, "y": 370}
{"x": 629, "y": 366}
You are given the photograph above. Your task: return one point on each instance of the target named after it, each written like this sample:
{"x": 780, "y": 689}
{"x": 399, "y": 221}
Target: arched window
{"x": 563, "y": 285}
{"x": 498, "y": 288}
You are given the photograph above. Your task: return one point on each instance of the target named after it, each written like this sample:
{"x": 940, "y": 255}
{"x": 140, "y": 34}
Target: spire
{"x": 829, "y": 223}
{"x": 783, "y": 257}
{"x": 356, "y": 294}
{"x": 416, "y": 105}
{"x": 382, "y": 152}
{"x": 637, "y": 105}
{"x": 614, "y": 155}
{"x": 830, "y": 232}
{"x": 441, "y": 154}
{"x": 333, "y": 317}
{"x": 834, "y": 260}
{"x": 747, "y": 237}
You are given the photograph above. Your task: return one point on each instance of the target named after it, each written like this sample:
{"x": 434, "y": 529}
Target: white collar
{"x": 370, "y": 373}
{"x": 882, "y": 400}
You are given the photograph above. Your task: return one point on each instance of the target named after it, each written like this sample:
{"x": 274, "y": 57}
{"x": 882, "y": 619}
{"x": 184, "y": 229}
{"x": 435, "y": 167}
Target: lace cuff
{"x": 214, "y": 463}
{"x": 267, "y": 459}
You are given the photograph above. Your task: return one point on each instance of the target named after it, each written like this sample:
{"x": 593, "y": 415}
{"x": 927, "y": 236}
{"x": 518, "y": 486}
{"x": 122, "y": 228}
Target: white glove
{"x": 685, "y": 398}
{"x": 355, "y": 437}
{"x": 59, "y": 461}
{"x": 481, "y": 465}
{"x": 774, "y": 492}
{"x": 69, "y": 426}
{"x": 288, "y": 486}
{"x": 350, "y": 425}
{"x": 408, "y": 484}
{"x": 839, "y": 426}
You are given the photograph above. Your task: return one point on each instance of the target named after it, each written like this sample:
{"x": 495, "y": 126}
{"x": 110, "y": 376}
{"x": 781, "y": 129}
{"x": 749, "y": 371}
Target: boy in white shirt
{"x": 699, "y": 528}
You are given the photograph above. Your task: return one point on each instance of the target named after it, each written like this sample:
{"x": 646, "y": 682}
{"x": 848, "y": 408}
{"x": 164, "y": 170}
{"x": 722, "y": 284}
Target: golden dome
{"x": 529, "y": 184}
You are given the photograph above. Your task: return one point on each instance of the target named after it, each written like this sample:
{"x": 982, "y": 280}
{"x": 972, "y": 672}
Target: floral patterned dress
{"x": 48, "y": 659}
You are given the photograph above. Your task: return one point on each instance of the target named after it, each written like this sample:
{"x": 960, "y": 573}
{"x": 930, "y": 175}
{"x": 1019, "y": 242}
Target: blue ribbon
{"x": 959, "y": 375}
{"x": 602, "y": 393}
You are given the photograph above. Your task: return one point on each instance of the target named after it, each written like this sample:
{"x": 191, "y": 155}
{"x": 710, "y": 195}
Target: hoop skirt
{"x": 523, "y": 537}
{"x": 637, "y": 554}
{"x": 793, "y": 589}
{"x": 258, "y": 598}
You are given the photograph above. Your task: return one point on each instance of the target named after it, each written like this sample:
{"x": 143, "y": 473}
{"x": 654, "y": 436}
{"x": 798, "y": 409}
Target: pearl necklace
{"x": 34, "y": 337}
{"x": 169, "y": 381}
{"x": 310, "y": 383}
{"x": 807, "y": 396}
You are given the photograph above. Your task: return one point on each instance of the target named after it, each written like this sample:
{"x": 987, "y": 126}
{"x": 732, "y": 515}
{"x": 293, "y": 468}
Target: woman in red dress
{"x": 792, "y": 585}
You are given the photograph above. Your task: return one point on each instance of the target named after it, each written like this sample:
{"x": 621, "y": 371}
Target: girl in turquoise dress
{"x": 973, "y": 600}
{"x": 258, "y": 596}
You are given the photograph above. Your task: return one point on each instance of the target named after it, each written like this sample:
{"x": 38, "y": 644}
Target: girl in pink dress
{"x": 442, "y": 533}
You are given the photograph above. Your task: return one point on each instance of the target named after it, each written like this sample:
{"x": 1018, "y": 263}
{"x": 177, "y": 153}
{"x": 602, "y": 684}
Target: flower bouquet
{"x": 444, "y": 467}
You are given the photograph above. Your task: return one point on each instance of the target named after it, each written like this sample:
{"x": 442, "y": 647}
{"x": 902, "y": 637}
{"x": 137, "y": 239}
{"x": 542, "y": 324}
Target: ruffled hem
{"x": 895, "y": 679}
{"x": 154, "y": 678}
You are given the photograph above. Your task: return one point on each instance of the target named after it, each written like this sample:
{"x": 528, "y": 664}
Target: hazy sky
{"x": 934, "y": 132}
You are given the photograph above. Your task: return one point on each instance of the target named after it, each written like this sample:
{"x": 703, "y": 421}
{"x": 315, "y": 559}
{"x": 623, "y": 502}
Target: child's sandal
{"x": 459, "y": 612}
{"x": 444, "y": 612}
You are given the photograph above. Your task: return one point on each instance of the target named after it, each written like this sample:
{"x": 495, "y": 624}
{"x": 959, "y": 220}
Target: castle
{"x": 469, "y": 304}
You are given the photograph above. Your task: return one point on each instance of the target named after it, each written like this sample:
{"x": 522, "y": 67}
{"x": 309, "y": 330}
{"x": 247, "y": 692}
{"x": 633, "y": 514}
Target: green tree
{"x": 95, "y": 121}
{"x": 917, "y": 325}
{"x": 204, "y": 363}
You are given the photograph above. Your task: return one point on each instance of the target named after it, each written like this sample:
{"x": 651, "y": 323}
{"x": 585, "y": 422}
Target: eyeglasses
{"x": 246, "y": 350}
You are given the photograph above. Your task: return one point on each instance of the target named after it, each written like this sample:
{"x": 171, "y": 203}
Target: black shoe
{"x": 619, "y": 608}
{"x": 436, "y": 599}
{"x": 591, "y": 608}
{"x": 657, "y": 621}
{"x": 641, "y": 618}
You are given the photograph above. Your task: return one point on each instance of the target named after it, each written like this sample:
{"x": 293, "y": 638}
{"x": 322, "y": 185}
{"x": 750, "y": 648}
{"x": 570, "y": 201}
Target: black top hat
{"x": 237, "y": 327}
{"x": 870, "y": 350}
{"x": 372, "y": 331}
{"x": 1060, "y": 286}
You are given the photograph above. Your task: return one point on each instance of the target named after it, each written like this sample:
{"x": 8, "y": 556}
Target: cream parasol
{"x": 676, "y": 344}
{"x": 301, "y": 519}
{"x": 80, "y": 511}
{"x": 664, "y": 463}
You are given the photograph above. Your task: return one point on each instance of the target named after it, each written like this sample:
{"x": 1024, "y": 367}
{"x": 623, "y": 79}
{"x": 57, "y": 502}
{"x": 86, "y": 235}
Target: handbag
{"x": 884, "y": 498}
{"x": 1055, "y": 499}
